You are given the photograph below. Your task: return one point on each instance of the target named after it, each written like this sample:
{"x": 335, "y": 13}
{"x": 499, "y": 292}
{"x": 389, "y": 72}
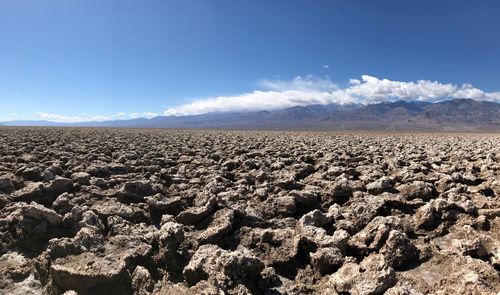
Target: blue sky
{"x": 90, "y": 59}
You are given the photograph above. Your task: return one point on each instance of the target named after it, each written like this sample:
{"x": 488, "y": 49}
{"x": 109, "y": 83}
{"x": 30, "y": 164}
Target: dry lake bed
{"x": 132, "y": 211}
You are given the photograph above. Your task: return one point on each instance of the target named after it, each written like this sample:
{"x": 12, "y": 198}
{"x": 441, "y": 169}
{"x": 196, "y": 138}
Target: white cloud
{"x": 277, "y": 94}
{"x": 309, "y": 90}
{"x": 300, "y": 83}
{"x": 371, "y": 89}
{"x": 257, "y": 100}
{"x": 493, "y": 96}
{"x": 354, "y": 81}
{"x": 300, "y": 91}
{"x": 88, "y": 118}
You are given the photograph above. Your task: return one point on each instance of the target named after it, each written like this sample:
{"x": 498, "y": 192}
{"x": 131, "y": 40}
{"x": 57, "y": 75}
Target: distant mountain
{"x": 447, "y": 115}
{"x": 30, "y": 123}
{"x": 451, "y": 115}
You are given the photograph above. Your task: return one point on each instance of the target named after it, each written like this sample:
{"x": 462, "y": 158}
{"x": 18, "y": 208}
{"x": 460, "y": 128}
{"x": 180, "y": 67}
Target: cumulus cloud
{"x": 371, "y": 89}
{"x": 276, "y": 94}
{"x": 89, "y": 118}
{"x": 306, "y": 83}
{"x": 301, "y": 91}
{"x": 256, "y": 100}
{"x": 259, "y": 100}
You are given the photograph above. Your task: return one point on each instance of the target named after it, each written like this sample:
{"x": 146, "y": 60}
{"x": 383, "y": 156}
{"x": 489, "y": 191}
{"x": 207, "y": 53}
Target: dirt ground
{"x": 132, "y": 211}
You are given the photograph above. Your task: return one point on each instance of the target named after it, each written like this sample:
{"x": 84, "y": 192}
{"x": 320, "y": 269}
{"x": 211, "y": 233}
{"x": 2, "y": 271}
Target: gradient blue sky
{"x": 93, "y": 57}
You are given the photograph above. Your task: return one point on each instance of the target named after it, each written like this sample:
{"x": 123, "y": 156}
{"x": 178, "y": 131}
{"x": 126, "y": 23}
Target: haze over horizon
{"x": 105, "y": 60}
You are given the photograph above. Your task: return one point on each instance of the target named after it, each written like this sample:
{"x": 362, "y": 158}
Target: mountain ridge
{"x": 446, "y": 115}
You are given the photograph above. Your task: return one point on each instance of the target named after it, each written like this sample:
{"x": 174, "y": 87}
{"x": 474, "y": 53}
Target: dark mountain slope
{"x": 448, "y": 115}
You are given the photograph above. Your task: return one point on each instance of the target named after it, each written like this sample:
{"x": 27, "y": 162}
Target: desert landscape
{"x": 152, "y": 211}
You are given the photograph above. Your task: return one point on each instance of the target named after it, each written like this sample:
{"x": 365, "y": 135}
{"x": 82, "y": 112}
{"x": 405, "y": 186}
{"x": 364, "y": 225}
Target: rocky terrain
{"x": 118, "y": 211}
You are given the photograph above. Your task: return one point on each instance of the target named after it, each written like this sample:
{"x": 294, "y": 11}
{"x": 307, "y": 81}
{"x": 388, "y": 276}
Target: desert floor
{"x": 131, "y": 211}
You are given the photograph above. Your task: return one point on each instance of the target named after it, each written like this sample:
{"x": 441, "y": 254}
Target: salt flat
{"x": 120, "y": 211}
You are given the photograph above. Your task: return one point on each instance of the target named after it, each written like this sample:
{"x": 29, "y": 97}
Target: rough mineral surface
{"x": 117, "y": 211}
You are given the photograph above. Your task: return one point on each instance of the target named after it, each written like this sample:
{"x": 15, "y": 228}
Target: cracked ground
{"x": 119, "y": 211}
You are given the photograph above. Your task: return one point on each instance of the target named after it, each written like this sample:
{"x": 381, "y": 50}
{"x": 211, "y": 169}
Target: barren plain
{"x": 131, "y": 211}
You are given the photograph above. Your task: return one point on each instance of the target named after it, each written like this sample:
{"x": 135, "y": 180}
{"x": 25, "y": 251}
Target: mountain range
{"x": 446, "y": 115}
